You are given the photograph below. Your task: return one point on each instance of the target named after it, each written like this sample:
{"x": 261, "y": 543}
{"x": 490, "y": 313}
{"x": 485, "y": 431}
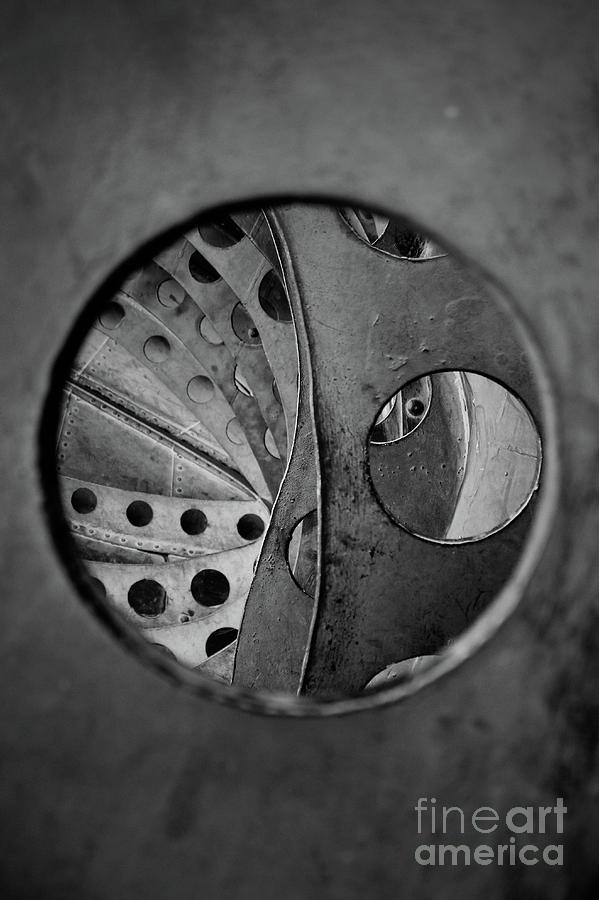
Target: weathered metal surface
{"x": 226, "y": 313}
{"x": 479, "y": 120}
{"x": 164, "y": 533}
{"x": 155, "y": 346}
{"x": 176, "y": 579}
{"x": 422, "y": 317}
{"x": 184, "y": 318}
{"x": 244, "y": 267}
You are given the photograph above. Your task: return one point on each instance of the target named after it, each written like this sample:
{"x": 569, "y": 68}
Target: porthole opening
{"x": 299, "y": 449}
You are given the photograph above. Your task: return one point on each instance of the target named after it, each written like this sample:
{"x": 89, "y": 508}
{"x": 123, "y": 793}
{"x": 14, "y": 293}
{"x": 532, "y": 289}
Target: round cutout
{"x": 210, "y": 587}
{"x": 469, "y": 469}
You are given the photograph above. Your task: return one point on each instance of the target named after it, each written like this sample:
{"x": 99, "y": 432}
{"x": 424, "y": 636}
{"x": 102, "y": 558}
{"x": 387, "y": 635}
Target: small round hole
{"x": 139, "y": 513}
{"x": 83, "y": 501}
{"x": 200, "y": 389}
{"x": 170, "y": 293}
{"x": 244, "y": 326}
{"x": 210, "y": 587}
{"x": 250, "y": 527}
{"x": 209, "y": 332}
{"x": 273, "y": 298}
{"x": 193, "y": 521}
{"x": 269, "y": 443}
{"x": 98, "y": 588}
{"x": 220, "y": 639}
{"x": 221, "y": 233}
{"x": 157, "y": 348}
{"x": 147, "y": 598}
{"x": 111, "y": 316}
{"x": 201, "y": 270}
{"x": 234, "y": 431}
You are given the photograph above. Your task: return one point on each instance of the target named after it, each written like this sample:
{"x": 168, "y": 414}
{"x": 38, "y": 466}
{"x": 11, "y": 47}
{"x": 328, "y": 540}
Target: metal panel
{"x": 124, "y": 120}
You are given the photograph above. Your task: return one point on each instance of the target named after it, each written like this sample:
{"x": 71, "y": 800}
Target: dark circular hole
{"x": 111, "y": 315}
{"x": 157, "y": 348}
{"x": 165, "y": 651}
{"x": 244, "y": 326}
{"x": 193, "y": 521}
{"x": 220, "y": 639}
{"x": 83, "y": 501}
{"x": 147, "y": 598}
{"x": 201, "y": 270}
{"x": 250, "y": 527}
{"x": 273, "y": 298}
{"x": 139, "y": 513}
{"x": 210, "y": 587}
{"x": 221, "y": 233}
{"x": 414, "y": 407}
{"x": 98, "y": 588}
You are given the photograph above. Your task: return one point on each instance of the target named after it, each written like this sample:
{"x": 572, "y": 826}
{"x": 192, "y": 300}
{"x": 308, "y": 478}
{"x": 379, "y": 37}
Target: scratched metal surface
{"x": 479, "y": 121}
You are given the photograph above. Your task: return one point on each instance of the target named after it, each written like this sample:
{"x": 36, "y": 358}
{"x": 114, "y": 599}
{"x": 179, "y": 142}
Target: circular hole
{"x": 402, "y": 413}
{"x": 139, "y": 513}
{"x": 147, "y": 598}
{"x": 302, "y": 553}
{"x": 165, "y": 651}
{"x": 208, "y": 331}
{"x": 200, "y": 389}
{"x": 269, "y": 443}
{"x": 241, "y": 383}
{"x": 157, "y": 348}
{"x": 250, "y": 527}
{"x": 210, "y": 587}
{"x": 220, "y": 639}
{"x": 469, "y": 469}
{"x": 234, "y": 432}
{"x": 193, "y": 521}
{"x": 201, "y": 270}
{"x": 98, "y": 588}
{"x": 273, "y": 298}
{"x": 244, "y": 326}
{"x": 221, "y": 233}
{"x": 111, "y": 315}
{"x": 393, "y": 235}
{"x": 83, "y": 501}
{"x": 170, "y": 293}
{"x": 410, "y": 462}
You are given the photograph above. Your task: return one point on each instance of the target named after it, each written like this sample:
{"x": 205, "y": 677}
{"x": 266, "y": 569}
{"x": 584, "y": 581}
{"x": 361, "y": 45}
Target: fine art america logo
{"x": 525, "y": 823}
